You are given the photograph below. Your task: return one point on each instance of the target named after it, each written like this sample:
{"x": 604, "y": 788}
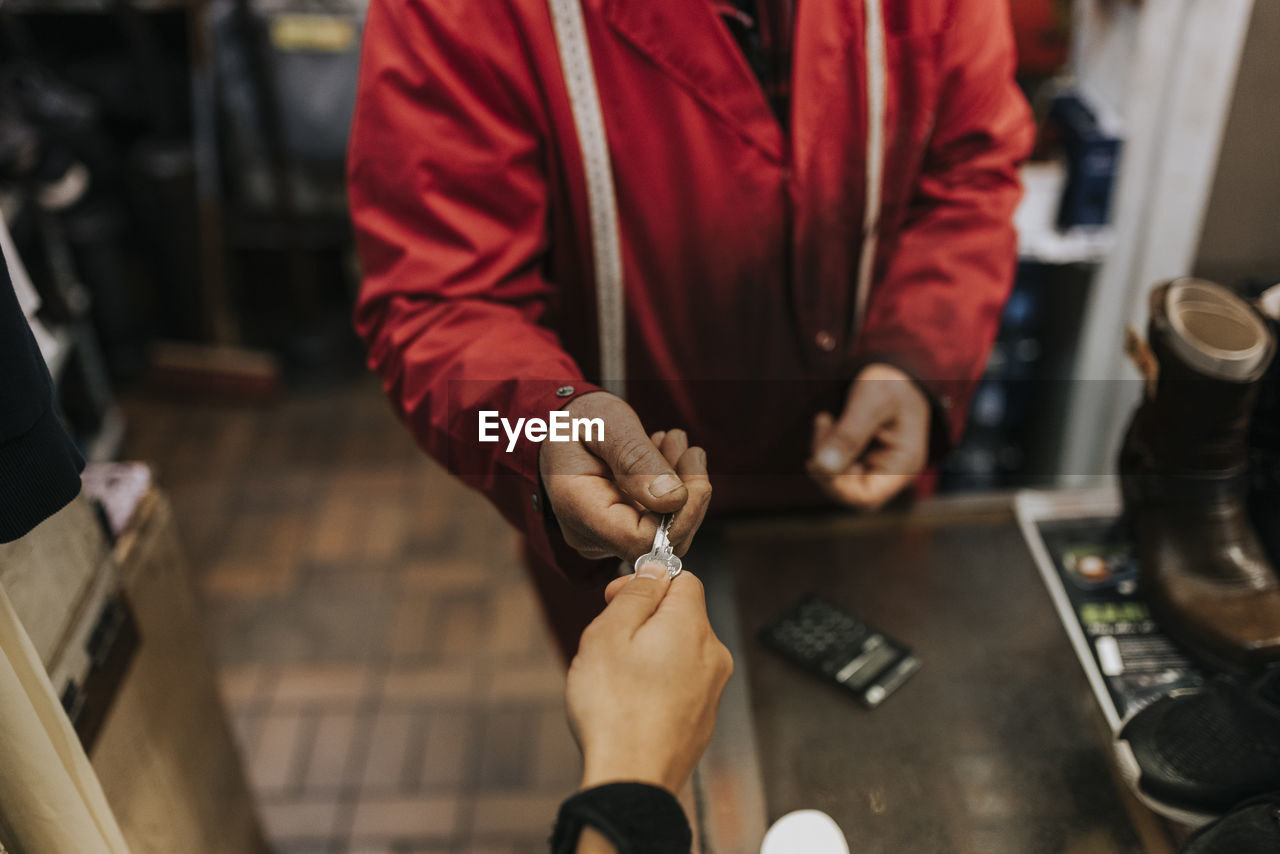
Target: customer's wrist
{"x": 635, "y": 770}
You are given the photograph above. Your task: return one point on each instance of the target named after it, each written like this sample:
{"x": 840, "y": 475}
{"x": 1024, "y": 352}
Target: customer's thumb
{"x": 638, "y": 599}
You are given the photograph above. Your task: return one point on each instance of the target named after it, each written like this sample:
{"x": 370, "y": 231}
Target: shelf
{"x": 104, "y": 446}
{"x": 1039, "y": 239}
{"x": 56, "y": 345}
{"x": 101, "y": 7}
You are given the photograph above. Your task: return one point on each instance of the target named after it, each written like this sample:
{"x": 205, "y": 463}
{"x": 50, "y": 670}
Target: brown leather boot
{"x": 1264, "y": 443}
{"x": 1184, "y": 467}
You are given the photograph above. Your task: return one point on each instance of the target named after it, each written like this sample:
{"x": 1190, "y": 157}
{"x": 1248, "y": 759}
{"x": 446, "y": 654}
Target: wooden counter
{"x": 995, "y": 746}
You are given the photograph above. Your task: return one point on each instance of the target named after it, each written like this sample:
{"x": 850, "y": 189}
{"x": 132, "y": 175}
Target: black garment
{"x": 1252, "y": 827}
{"x": 39, "y": 465}
{"x": 635, "y": 817}
{"x": 1205, "y": 751}
{"x": 762, "y": 29}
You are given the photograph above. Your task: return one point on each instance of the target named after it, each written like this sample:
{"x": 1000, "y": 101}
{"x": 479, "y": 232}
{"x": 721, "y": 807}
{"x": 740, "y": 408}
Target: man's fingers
{"x": 692, "y": 468}
{"x": 638, "y": 467}
{"x": 598, "y": 521}
{"x": 691, "y": 464}
{"x": 673, "y": 445}
{"x": 848, "y": 438}
{"x": 869, "y": 491}
{"x": 878, "y": 476}
{"x": 822, "y": 424}
{"x": 880, "y": 442}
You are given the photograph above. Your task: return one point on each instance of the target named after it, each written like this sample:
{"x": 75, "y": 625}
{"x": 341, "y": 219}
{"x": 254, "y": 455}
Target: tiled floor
{"x": 392, "y": 686}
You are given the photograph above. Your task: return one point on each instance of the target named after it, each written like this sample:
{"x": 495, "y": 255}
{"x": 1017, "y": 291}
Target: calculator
{"x": 840, "y": 649}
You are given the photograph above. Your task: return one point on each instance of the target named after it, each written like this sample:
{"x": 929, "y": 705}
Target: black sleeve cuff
{"x": 635, "y": 817}
{"x": 39, "y": 475}
{"x": 941, "y": 397}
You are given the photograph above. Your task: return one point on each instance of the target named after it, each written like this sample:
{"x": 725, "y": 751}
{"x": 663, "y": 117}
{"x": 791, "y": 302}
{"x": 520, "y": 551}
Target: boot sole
{"x": 1127, "y": 764}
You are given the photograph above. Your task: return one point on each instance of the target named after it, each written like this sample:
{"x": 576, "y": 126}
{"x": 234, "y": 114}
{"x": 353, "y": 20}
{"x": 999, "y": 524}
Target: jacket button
{"x": 537, "y": 502}
{"x": 564, "y": 391}
{"x": 825, "y": 340}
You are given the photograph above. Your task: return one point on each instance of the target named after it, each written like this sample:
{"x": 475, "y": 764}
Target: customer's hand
{"x": 608, "y": 495}
{"x": 879, "y": 444}
{"x": 645, "y": 685}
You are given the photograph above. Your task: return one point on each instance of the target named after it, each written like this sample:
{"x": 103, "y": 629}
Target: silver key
{"x": 662, "y": 552}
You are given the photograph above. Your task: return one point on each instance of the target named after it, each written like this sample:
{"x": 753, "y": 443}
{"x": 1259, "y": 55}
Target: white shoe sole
{"x": 804, "y": 832}
{"x": 1127, "y": 763}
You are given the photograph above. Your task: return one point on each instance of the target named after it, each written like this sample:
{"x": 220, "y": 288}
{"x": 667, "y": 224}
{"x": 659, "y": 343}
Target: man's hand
{"x": 600, "y": 490}
{"x": 880, "y": 443}
{"x": 645, "y": 685}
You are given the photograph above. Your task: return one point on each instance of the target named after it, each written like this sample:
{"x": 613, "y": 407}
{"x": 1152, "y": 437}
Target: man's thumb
{"x": 639, "y": 469}
{"x": 844, "y": 442}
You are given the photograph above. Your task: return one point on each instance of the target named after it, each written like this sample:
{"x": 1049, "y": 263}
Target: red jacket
{"x": 740, "y": 238}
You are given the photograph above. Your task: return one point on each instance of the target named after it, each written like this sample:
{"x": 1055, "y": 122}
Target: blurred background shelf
{"x": 1040, "y": 241}
{"x": 216, "y": 132}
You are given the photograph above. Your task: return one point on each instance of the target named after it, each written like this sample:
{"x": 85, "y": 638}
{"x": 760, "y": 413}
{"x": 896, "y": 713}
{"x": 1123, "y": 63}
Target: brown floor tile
{"x": 438, "y": 577}
{"x": 384, "y": 529}
{"x": 328, "y": 765}
{"x": 446, "y": 749}
{"x": 506, "y": 747}
{"x": 336, "y": 534}
{"x": 237, "y": 578}
{"x": 320, "y": 684}
{"x": 273, "y": 539}
{"x": 326, "y": 620}
{"x": 461, "y": 626}
{"x": 513, "y": 682}
{"x": 410, "y": 629}
{"x": 435, "y": 683}
{"x": 382, "y": 651}
{"x": 300, "y": 819}
{"x": 306, "y": 846}
{"x": 527, "y": 814}
{"x": 278, "y": 751}
{"x": 241, "y": 686}
{"x": 405, "y": 817}
{"x": 514, "y": 624}
{"x": 387, "y": 758}
{"x": 557, "y": 763}
{"x": 244, "y": 728}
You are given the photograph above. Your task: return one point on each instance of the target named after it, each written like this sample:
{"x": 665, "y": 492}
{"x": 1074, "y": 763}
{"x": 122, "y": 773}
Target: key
{"x": 661, "y": 551}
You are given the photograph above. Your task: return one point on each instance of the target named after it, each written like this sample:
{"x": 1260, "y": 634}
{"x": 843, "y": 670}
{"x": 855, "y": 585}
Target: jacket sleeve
{"x": 937, "y": 307}
{"x": 449, "y": 201}
{"x": 39, "y": 464}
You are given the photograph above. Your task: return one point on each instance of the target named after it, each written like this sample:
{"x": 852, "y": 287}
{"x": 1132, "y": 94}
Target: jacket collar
{"x": 686, "y": 40}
